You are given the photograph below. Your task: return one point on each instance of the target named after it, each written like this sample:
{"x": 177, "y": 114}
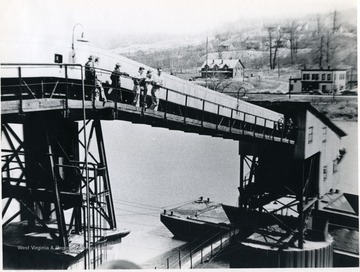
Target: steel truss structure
{"x": 60, "y": 182}
{"x": 255, "y": 202}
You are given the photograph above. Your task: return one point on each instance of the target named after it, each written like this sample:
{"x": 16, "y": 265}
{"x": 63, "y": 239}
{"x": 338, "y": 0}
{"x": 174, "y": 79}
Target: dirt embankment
{"x": 338, "y": 108}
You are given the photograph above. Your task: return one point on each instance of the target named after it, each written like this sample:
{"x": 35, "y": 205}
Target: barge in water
{"x": 196, "y": 220}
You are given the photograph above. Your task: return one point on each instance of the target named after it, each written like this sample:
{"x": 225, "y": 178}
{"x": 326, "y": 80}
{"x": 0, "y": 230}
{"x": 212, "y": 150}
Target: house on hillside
{"x": 324, "y": 80}
{"x": 252, "y": 44}
{"x": 228, "y": 68}
{"x": 226, "y": 46}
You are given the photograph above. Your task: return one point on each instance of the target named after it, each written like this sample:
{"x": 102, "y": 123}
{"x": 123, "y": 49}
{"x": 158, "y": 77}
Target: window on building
{"x": 58, "y": 58}
{"x": 335, "y": 166}
{"x": 306, "y": 76}
{"x": 341, "y": 76}
{"x": 315, "y": 76}
{"x": 324, "y": 134}
{"x": 310, "y": 135}
{"x": 323, "y": 77}
{"x": 325, "y": 172}
{"x": 328, "y": 76}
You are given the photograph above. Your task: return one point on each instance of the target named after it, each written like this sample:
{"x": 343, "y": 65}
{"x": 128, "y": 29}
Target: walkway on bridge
{"x": 21, "y": 96}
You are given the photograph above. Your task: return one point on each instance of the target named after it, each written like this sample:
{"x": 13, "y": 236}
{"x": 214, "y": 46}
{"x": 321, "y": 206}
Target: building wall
{"x": 295, "y": 85}
{"x": 328, "y": 80}
{"x": 320, "y": 138}
{"x": 236, "y": 71}
{"x": 339, "y": 80}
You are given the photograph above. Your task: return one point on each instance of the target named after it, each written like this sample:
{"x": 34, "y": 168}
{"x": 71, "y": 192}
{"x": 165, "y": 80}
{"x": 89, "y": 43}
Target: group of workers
{"x": 143, "y": 84}
{"x": 286, "y": 129}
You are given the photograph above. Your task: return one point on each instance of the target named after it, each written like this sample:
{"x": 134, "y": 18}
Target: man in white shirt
{"x": 98, "y": 84}
{"x": 139, "y": 85}
{"x": 158, "y": 82}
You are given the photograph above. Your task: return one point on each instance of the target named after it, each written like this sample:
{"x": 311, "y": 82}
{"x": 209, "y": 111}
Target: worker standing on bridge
{"x": 116, "y": 82}
{"x": 280, "y": 127}
{"x": 99, "y": 95}
{"x": 158, "y": 82}
{"x": 289, "y": 127}
{"x": 139, "y": 85}
{"x": 149, "y": 80}
{"x": 89, "y": 75}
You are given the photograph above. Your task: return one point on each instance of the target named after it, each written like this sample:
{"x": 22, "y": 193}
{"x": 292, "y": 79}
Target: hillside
{"x": 249, "y": 41}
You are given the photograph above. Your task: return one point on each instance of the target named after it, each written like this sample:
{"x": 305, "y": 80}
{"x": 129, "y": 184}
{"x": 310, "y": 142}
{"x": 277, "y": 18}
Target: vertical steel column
{"x": 20, "y": 92}
{"x": 87, "y": 218}
{"x": 241, "y": 187}
{"x": 203, "y": 113}
{"x": 252, "y": 169}
{"x": 67, "y": 93}
{"x": 58, "y": 208}
{"x": 217, "y": 117}
{"x": 301, "y": 208}
{"x": 255, "y": 125}
{"x": 185, "y": 111}
{"x": 243, "y": 124}
{"x": 166, "y": 103}
{"x": 103, "y": 162}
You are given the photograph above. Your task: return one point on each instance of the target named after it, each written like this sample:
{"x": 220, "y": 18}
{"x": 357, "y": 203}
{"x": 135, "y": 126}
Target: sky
{"x": 100, "y": 19}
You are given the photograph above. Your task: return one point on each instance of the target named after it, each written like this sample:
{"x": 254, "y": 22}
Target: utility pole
{"x": 278, "y": 67}
{"x": 334, "y": 22}
{"x": 289, "y": 87}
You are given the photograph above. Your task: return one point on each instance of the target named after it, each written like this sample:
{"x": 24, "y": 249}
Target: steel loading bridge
{"x": 50, "y": 168}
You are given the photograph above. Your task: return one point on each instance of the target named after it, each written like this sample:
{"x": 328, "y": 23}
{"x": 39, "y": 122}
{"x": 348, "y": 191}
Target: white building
{"x": 323, "y": 80}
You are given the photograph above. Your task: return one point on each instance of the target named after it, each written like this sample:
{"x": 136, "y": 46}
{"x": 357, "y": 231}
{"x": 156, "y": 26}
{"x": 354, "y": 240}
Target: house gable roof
{"x": 230, "y": 63}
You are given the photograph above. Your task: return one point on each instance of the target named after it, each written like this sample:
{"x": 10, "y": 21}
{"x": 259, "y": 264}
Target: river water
{"x": 152, "y": 169}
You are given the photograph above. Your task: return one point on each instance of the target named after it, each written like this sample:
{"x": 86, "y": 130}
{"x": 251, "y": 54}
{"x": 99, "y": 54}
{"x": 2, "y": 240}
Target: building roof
{"x": 226, "y": 43}
{"x": 231, "y": 63}
{"x": 286, "y": 107}
{"x": 322, "y": 70}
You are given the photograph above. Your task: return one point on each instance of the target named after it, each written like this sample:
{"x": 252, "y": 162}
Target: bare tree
{"x": 320, "y": 52}
{"x": 293, "y": 38}
{"x": 278, "y": 42}
{"x": 275, "y": 42}
{"x": 324, "y": 44}
{"x": 270, "y": 30}
{"x": 220, "y": 51}
{"x": 319, "y": 44}
{"x": 319, "y": 25}
{"x": 329, "y": 47}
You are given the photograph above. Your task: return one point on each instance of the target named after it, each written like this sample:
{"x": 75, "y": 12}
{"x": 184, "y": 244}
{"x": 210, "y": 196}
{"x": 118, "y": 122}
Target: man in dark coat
{"x": 89, "y": 76}
{"x": 116, "y": 84}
